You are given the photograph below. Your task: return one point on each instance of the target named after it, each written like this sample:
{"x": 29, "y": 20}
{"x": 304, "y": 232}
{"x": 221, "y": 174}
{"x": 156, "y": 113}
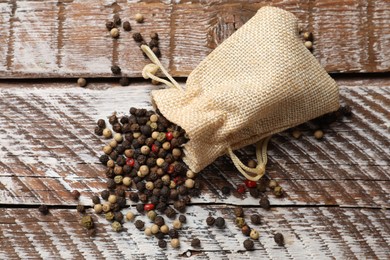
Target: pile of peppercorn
{"x": 144, "y": 164}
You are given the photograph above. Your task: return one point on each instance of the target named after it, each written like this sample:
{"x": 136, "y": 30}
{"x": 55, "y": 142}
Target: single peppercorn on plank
{"x": 347, "y": 38}
{"x": 308, "y": 232}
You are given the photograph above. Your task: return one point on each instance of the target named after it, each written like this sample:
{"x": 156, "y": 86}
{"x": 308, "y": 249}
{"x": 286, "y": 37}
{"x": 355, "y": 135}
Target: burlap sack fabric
{"x": 260, "y": 81}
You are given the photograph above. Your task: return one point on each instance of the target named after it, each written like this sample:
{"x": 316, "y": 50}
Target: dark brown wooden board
{"x": 44, "y": 39}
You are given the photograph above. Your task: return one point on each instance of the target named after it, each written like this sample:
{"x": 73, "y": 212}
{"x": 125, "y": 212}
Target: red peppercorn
{"x": 130, "y": 162}
{"x": 250, "y": 184}
{"x": 178, "y": 180}
{"x": 155, "y": 148}
{"x": 149, "y": 207}
{"x": 171, "y": 169}
{"x": 169, "y": 136}
{"x": 241, "y": 188}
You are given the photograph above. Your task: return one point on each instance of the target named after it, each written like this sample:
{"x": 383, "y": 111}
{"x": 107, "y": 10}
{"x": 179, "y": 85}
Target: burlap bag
{"x": 260, "y": 81}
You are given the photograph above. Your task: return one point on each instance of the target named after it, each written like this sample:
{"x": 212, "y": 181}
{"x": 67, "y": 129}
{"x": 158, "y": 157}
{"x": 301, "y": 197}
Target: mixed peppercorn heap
{"x": 144, "y": 164}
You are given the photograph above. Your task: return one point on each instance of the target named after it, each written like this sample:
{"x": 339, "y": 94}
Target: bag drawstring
{"x": 150, "y": 70}
{"x": 256, "y": 173}
{"x": 253, "y": 174}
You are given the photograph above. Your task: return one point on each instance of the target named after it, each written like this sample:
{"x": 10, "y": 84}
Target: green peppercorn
{"x": 240, "y": 222}
{"x": 110, "y": 216}
{"x": 278, "y": 191}
{"x": 87, "y": 222}
{"x": 116, "y": 226}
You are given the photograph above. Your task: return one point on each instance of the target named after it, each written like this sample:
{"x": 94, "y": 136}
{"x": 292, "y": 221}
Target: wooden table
{"x": 337, "y": 190}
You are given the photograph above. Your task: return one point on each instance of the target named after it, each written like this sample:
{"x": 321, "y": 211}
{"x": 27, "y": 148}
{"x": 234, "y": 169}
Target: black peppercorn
{"x": 140, "y": 186}
{"x": 264, "y": 203}
{"x": 120, "y": 149}
{"x": 111, "y": 184}
{"x": 80, "y": 208}
{"x": 346, "y": 111}
{"x": 220, "y": 222}
{"x": 101, "y": 123}
{"x": 161, "y": 207}
{"x": 75, "y": 194}
{"x": 104, "y": 194}
{"x": 153, "y": 43}
{"x": 140, "y": 208}
{"x": 159, "y": 221}
{"x": 256, "y": 219}
{"x": 110, "y": 25}
{"x": 225, "y": 190}
{"x": 239, "y": 212}
{"x": 132, "y": 110}
{"x": 279, "y": 239}
{"x": 114, "y": 155}
{"x": 113, "y": 119}
{"x": 116, "y": 69}
{"x": 173, "y": 233}
{"x": 143, "y": 197}
{"x": 98, "y": 131}
{"x": 126, "y": 26}
{"x": 182, "y": 219}
{"x": 124, "y": 120}
{"x": 115, "y": 207}
{"x": 104, "y": 159}
{"x": 120, "y": 161}
{"x": 158, "y": 183}
{"x": 120, "y": 192}
{"x": 95, "y": 200}
{"x": 162, "y": 243}
{"x": 159, "y": 235}
{"x": 248, "y": 244}
{"x": 174, "y": 195}
{"x": 139, "y": 224}
{"x": 254, "y": 192}
{"x": 137, "y": 37}
{"x": 117, "y": 128}
{"x": 154, "y": 36}
{"x": 210, "y": 221}
{"x": 121, "y": 201}
{"x": 142, "y": 120}
{"x": 117, "y": 19}
{"x": 118, "y": 216}
{"x": 180, "y": 205}
{"x": 124, "y": 81}
{"x": 133, "y": 197}
{"x": 170, "y": 212}
{"x": 156, "y": 51}
{"x": 154, "y": 200}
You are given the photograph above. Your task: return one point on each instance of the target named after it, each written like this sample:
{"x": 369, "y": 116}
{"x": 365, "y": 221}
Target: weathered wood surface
{"x": 310, "y": 233}
{"x": 337, "y": 190}
{"x": 68, "y": 38}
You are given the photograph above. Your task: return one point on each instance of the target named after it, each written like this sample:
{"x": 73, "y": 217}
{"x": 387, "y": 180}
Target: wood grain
{"x": 68, "y": 38}
{"x": 48, "y": 148}
{"x": 309, "y": 233}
